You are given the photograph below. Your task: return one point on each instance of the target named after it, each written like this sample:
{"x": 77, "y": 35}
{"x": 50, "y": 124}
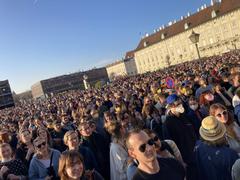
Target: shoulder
{"x": 138, "y": 175}
{"x": 172, "y": 165}
{"x": 55, "y": 152}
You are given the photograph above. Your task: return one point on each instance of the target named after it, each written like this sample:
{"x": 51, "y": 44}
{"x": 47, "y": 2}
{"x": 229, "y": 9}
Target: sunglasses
{"x": 155, "y": 139}
{"x": 40, "y": 145}
{"x": 142, "y": 148}
{"x": 224, "y": 113}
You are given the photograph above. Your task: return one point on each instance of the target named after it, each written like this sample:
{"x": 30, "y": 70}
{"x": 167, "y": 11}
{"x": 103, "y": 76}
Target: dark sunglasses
{"x": 40, "y": 145}
{"x": 142, "y": 148}
{"x": 224, "y": 113}
{"x": 155, "y": 139}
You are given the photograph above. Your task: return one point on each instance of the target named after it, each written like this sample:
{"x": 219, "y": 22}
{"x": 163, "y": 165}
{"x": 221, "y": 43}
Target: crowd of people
{"x": 137, "y": 127}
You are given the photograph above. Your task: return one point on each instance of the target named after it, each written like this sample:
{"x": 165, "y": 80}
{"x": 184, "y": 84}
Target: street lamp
{"x": 85, "y": 78}
{"x": 194, "y": 37}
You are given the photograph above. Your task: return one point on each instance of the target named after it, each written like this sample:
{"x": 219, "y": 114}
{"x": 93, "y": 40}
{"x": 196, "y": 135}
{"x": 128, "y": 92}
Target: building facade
{"x": 6, "y": 97}
{"x": 69, "y": 82}
{"x": 124, "y": 67}
{"x": 218, "y": 26}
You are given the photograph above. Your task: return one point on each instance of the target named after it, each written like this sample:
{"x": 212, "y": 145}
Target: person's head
{"x": 44, "y": 133}
{"x": 57, "y": 125}
{"x": 41, "y": 132}
{"x": 5, "y": 137}
{"x": 220, "y": 112}
{"x": 25, "y": 136}
{"x": 175, "y": 105}
{"x": 38, "y": 121}
{"x": 202, "y": 82}
{"x": 71, "y": 139}
{"x": 206, "y": 96}
{"x": 235, "y": 79}
{"x": 49, "y": 123}
{"x": 147, "y": 100}
{"x": 153, "y": 136}
{"x": 212, "y": 131}
{"x": 40, "y": 145}
{"x": 141, "y": 146}
{"x": 116, "y": 130}
{"x": 71, "y": 165}
{"x": 65, "y": 118}
{"x": 85, "y": 129}
{"x": 12, "y": 127}
{"x": 5, "y": 151}
{"x": 193, "y": 104}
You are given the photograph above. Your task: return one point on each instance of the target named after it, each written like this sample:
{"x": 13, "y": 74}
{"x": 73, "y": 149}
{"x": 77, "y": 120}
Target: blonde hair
{"x": 67, "y": 134}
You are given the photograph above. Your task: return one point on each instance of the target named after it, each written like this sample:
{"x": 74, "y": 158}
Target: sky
{"x": 40, "y": 39}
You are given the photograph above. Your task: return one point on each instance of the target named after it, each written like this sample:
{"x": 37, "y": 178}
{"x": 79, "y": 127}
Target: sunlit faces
{"x": 72, "y": 141}
{"x": 42, "y": 133}
{"x": 85, "y": 130}
{"x": 75, "y": 169}
{"x": 25, "y": 136}
{"x": 209, "y": 96}
{"x": 137, "y": 151}
{"x": 40, "y": 145}
{"x": 57, "y": 126}
{"x": 221, "y": 115}
{"x": 178, "y": 107}
{"x": 5, "y": 151}
{"x": 65, "y": 118}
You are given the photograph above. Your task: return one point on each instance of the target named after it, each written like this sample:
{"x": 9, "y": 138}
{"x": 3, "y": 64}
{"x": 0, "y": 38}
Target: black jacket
{"x": 181, "y": 131}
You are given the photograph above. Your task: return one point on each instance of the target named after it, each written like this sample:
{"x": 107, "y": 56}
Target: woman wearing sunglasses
{"x": 44, "y": 164}
{"x": 232, "y": 129}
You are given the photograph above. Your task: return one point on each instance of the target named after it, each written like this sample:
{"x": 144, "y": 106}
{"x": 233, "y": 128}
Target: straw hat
{"x": 212, "y": 129}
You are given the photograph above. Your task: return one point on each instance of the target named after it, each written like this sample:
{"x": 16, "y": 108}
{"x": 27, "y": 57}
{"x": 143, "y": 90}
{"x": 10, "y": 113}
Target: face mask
{"x": 194, "y": 107}
{"x": 180, "y": 109}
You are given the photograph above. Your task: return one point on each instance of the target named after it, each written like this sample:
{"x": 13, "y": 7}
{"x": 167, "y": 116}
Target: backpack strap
{"x": 166, "y": 146}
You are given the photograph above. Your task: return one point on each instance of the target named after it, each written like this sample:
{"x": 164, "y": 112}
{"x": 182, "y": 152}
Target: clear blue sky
{"x": 45, "y": 38}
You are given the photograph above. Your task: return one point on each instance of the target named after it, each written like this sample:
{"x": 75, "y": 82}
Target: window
{"x": 163, "y": 35}
{"x": 186, "y": 25}
{"x": 214, "y": 13}
{"x": 145, "y": 44}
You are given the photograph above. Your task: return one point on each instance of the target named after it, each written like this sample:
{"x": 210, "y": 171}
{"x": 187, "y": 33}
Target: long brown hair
{"x": 67, "y": 159}
{"x": 230, "y": 122}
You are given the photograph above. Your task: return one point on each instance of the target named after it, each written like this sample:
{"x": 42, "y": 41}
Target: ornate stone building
{"x": 217, "y": 25}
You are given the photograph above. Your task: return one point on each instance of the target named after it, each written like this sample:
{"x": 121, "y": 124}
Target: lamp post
{"x": 85, "y": 77}
{"x": 194, "y": 37}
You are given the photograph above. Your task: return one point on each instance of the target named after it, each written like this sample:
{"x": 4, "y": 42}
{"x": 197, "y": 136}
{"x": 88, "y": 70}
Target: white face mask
{"x": 180, "y": 109}
{"x": 194, "y": 107}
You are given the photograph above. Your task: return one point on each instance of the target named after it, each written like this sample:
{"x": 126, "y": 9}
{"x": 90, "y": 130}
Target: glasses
{"x": 224, "y": 113}
{"x": 40, "y": 145}
{"x": 142, "y": 148}
{"x": 155, "y": 139}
